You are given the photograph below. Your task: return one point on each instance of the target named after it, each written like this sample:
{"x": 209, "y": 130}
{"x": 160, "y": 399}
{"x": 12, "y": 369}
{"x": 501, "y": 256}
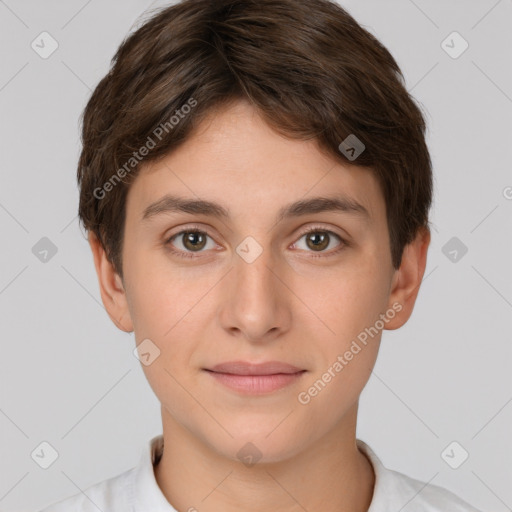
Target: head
{"x": 228, "y": 118}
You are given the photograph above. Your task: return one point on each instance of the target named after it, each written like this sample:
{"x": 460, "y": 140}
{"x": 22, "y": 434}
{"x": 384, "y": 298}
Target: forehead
{"x": 237, "y": 161}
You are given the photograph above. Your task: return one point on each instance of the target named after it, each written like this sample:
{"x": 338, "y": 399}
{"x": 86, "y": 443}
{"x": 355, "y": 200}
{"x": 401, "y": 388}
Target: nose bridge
{"x": 256, "y": 304}
{"x": 252, "y": 267}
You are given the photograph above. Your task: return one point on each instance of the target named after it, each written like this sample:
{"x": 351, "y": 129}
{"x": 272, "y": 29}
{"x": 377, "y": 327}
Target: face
{"x": 255, "y": 280}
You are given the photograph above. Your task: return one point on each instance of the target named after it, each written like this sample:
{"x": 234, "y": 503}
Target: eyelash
{"x": 312, "y": 229}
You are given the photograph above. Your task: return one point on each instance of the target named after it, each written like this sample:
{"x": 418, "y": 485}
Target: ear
{"x": 407, "y": 279}
{"x": 112, "y": 290}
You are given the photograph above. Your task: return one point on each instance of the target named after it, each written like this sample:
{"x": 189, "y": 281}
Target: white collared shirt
{"x": 136, "y": 490}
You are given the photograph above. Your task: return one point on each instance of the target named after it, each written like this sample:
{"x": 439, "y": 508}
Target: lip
{"x": 245, "y": 368}
{"x": 254, "y": 379}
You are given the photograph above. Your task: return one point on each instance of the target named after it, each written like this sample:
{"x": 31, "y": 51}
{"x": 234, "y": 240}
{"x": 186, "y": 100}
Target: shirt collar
{"x": 385, "y": 483}
{"x": 147, "y": 494}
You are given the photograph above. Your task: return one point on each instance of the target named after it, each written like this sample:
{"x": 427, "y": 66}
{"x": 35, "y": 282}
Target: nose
{"x": 256, "y": 303}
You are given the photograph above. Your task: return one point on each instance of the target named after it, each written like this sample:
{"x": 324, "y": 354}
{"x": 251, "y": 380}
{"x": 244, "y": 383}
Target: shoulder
{"x": 134, "y": 489}
{"x": 113, "y": 494}
{"x": 417, "y": 496}
{"x": 396, "y": 491}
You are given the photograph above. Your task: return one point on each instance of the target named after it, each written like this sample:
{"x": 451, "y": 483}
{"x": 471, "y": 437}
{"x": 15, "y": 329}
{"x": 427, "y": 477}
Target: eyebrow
{"x": 338, "y": 203}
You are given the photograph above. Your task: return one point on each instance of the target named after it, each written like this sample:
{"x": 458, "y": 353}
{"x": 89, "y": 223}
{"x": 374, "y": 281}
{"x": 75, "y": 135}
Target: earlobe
{"x": 112, "y": 290}
{"x": 407, "y": 279}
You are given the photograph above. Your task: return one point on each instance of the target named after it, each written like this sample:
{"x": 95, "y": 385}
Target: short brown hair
{"x": 308, "y": 67}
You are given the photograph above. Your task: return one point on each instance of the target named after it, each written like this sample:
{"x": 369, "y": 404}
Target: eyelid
{"x": 188, "y": 228}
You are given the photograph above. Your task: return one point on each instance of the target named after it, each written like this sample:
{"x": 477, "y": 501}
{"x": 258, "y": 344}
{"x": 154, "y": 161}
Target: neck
{"x": 331, "y": 475}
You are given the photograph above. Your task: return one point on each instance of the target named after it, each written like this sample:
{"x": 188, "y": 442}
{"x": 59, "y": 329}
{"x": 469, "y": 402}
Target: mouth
{"x": 250, "y": 378}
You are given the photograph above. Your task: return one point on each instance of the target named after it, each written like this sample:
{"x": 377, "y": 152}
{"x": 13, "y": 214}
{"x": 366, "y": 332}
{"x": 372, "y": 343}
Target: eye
{"x": 318, "y": 239}
{"x": 194, "y": 240}
{"x": 191, "y": 240}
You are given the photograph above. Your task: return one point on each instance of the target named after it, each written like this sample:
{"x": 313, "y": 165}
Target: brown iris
{"x": 319, "y": 240}
{"x": 194, "y": 240}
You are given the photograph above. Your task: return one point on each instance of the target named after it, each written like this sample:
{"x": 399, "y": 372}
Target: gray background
{"x": 69, "y": 377}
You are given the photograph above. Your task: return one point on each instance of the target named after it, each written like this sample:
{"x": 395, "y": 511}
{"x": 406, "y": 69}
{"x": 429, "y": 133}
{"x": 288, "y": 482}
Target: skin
{"x": 287, "y": 305}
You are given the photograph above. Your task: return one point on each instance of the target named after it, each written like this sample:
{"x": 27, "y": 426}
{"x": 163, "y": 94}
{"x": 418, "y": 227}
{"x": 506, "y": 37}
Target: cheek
{"x": 348, "y": 356}
{"x": 152, "y": 308}
{"x": 351, "y": 301}
{"x": 164, "y": 312}
{"x": 168, "y": 307}
{"x": 161, "y": 295}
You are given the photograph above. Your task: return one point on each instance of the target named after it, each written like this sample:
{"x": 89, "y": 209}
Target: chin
{"x": 263, "y": 446}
